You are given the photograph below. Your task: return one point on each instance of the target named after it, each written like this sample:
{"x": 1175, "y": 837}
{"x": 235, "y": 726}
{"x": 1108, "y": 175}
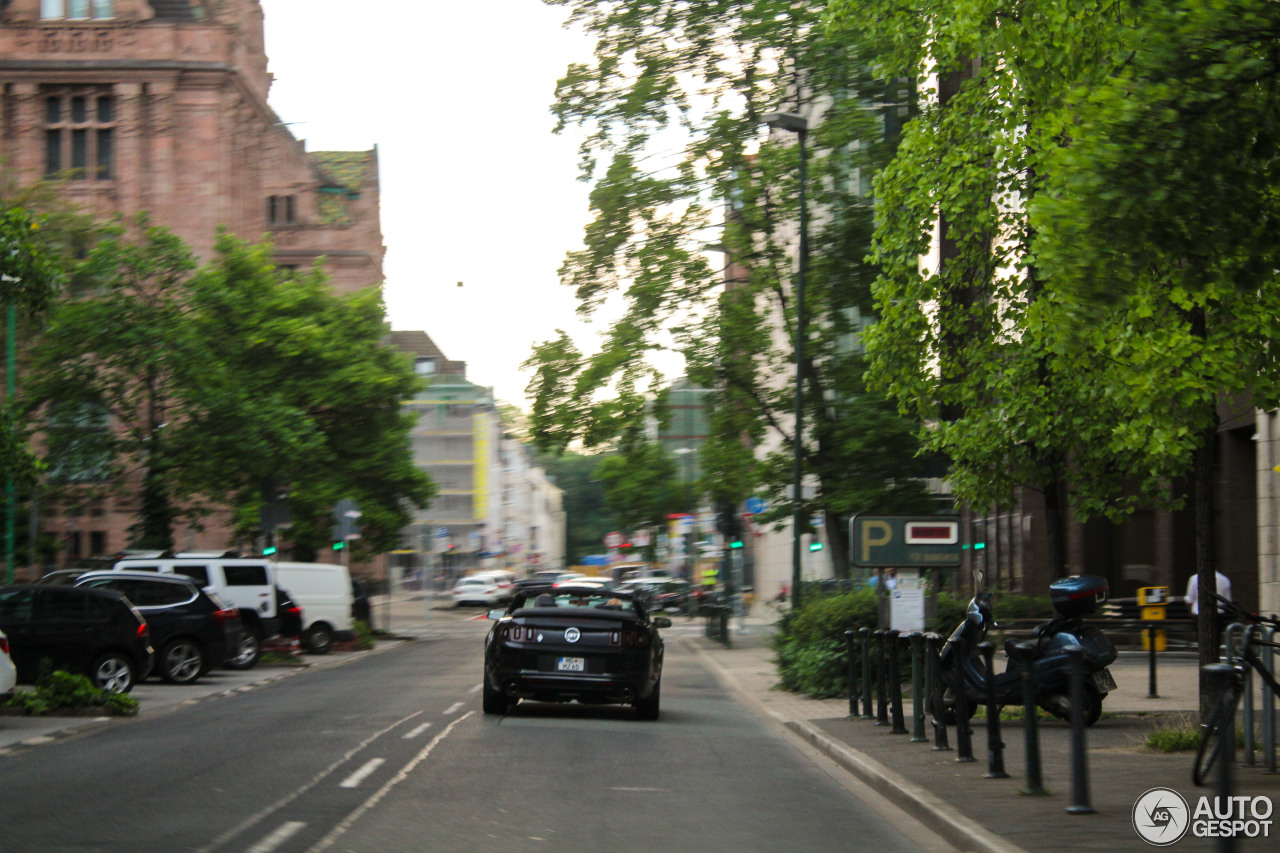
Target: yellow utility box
{"x": 1152, "y": 603}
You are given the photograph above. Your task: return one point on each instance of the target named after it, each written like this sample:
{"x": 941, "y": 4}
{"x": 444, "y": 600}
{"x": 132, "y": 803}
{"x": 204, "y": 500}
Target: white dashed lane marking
{"x": 363, "y": 773}
{"x": 280, "y": 836}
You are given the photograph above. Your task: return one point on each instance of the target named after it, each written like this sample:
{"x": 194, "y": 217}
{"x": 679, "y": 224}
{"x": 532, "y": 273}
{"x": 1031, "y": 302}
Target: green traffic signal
{"x": 815, "y": 546}
{"x": 338, "y": 546}
{"x": 268, "y": 551}
{"x": 736, "y": 543}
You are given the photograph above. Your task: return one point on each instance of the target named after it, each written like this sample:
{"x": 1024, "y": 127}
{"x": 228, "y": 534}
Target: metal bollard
{"x": 1151, "y": 661}
{"x": 916, "y": 639}
{"x": 995, "y": 745}
{"x": 964, "y": 732}
{"x": 724, "y": 625}
{"x": 849, "y": 672}
{"x": 1025, "y": 653}
{"x": 933, "y": 643}
{"x": 867, "y": 711}
{"x": 1079, "y": 765}
{"x": 1269, "y": 704}
{"x": 1218, "y": 678}
{"x": 895, "y": 685}
{"x": 1247, "y": 713}
{"x": 882, "y": 686}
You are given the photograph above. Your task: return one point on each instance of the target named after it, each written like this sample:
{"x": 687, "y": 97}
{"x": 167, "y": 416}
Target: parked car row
{"x": 177, "y": 616}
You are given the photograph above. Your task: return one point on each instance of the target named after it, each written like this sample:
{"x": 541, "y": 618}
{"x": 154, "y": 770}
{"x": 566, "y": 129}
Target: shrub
{"x": 364, "y": 635}
{"x": 62, "y": 691}
{"x": 810, "y": 644}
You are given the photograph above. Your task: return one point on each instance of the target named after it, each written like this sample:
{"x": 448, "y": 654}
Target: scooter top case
{"x": 1078, "y": 595}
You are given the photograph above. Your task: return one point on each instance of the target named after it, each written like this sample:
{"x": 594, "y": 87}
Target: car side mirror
{"x": 495, "y": 615}
{"x": 661, "y": 622}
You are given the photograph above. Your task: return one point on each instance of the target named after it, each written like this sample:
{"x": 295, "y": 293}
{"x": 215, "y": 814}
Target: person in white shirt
{"x": 1193, "y": 591}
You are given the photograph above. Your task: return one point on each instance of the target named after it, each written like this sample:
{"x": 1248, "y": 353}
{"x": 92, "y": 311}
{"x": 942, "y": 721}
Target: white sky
{"x": 475, "y": 186}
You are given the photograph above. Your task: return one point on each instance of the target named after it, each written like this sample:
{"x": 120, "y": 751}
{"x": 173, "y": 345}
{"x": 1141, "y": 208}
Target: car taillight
{"x": 143, "y": 632}
{"x": 4, "y": 645}
{"x": 630, "y": 638}
{"x": 520, "y": 633}
{"x": 294, "y": 611}
{"x": 227, "y": 614}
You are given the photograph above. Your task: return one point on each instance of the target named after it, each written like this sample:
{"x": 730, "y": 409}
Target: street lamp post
{"x": 798, "y": 125}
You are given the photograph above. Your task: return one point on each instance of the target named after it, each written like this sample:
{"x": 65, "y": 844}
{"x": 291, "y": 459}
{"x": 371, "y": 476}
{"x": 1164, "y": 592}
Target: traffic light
{"x": 268, "y": 551}
{"x": 339, "y": 545}
{"x": 735, "y": 543}
{"x": 815, "y": 546}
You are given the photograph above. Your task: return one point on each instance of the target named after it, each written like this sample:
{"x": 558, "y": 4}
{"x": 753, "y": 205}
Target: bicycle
{"x": 1223, "y": 715}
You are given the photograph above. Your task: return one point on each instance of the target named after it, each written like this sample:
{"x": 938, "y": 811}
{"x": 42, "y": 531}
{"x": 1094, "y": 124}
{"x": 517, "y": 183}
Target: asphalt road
{"x": 391, "y": 753}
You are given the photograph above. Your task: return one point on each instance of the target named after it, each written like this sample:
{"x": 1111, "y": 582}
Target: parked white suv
{"x": 245, "y": 582}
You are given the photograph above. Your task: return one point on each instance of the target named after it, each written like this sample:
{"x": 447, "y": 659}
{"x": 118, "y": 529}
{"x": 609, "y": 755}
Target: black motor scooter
{"x": 1073, "y": 598}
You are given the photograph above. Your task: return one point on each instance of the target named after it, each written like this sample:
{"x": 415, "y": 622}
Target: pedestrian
{"x": 1193, "y": 591}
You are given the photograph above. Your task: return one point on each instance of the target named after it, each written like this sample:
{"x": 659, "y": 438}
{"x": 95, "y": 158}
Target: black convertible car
{"x": 567, "y": 643}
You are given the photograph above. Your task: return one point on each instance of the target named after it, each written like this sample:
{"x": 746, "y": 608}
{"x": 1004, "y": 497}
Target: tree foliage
{"x": 1023, "y": 159}
{"x": 697, "y": 78}
{"x": 225, "y": 386}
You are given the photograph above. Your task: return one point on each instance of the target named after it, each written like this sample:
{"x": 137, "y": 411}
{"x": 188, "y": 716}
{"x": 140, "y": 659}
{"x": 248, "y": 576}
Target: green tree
{"x": 575, "y": 474}
{"x": 1086, "y": 163}
{"x": 712, "y": 70}
{"x": 30, "y": 276}
{"x": 294, "y": 390}
{"x": 104, "y": 372}
{"x": 226, "y": 386}
{"x": 640, "y": 486}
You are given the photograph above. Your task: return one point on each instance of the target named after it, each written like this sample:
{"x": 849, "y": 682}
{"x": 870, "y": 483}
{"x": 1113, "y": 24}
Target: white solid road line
{"x": 341, "y": 829}
{"x": 363, "y": 773}
{"x": 286, "y": 831}
{"x": 413, "y": 733}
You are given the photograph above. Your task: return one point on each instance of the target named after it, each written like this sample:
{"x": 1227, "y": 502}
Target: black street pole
{"x": 798, "y": 125}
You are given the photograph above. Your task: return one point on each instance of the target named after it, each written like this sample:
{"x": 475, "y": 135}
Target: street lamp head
{"x": 794, "y": 122}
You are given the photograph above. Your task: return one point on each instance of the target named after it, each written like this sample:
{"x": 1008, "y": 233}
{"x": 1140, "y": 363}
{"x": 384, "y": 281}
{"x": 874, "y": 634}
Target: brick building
{"x": 161, "y": 106}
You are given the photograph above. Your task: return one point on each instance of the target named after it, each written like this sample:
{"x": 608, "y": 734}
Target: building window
{"x": 424, "y": 366}
{"x": 280, "y": 210}
{"x": 79, "y": 133}
{"x": 76, "y": 10}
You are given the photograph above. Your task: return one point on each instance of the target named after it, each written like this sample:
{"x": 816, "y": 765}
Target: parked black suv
{"x": 192, "y": 630}
{"x": 94, "y": 632}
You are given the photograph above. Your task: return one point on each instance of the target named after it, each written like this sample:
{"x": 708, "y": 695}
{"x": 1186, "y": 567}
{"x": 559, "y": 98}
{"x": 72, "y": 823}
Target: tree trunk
{"x": 1202, "y": 504}
{"x": 1055, "y": 527}
{"x": 1207, "y": 628}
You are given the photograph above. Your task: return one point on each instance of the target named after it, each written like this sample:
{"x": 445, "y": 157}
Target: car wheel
{"x": 112, "y": 671}
{"x": 181, "y": 661}
{"x": 493, "y": 700}
{"x": 246, "y": 657}
{"x": 649, "y": 707}
{"x": 318, "y": 639}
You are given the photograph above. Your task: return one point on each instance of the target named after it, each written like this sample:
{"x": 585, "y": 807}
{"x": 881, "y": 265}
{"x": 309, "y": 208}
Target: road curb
{"x": 937, "y": 814}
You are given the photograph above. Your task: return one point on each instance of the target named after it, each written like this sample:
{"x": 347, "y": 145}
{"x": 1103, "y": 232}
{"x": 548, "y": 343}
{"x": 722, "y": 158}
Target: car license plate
{"x": 571, "y": 665}
{"x": 1103, "y": 681}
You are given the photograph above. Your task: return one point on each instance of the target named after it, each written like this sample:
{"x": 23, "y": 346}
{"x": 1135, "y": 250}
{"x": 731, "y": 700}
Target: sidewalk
{"x": 957, "y": 801}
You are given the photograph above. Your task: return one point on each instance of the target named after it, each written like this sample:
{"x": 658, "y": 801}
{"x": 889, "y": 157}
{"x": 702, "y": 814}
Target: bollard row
{"x": 879, "y": 675}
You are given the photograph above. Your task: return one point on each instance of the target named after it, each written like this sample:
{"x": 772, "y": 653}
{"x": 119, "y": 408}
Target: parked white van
{"x": 324, "y": 592}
